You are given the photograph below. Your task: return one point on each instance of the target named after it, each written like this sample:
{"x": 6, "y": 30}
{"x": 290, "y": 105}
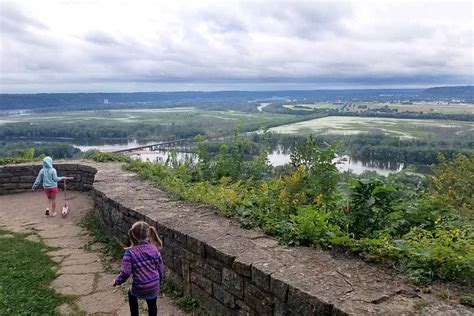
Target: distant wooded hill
{"x": 458, "y": 92}
{"x": 221, "y": 99}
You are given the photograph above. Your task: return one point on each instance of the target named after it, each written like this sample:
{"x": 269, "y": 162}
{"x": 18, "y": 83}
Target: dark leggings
{"x": 133, "y": 302}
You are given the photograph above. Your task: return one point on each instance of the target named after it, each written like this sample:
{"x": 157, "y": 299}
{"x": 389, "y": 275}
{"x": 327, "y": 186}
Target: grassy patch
{"x": 25, "y": 274}
{"x": 187, "y": 303}
{"x": 110, "y": 247}
{"x": 183, "y": 301}
{"x": 467, "y": 300}
{"x": 420, "y": 306}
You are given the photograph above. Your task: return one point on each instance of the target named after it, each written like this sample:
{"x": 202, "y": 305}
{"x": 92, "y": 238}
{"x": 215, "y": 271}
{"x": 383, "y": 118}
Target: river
{"x": 276, "y": 158}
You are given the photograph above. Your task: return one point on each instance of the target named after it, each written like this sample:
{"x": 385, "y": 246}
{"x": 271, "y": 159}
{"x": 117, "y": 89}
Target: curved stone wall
{"x": 20, "y": 178}
{"x": 229, "y": 270}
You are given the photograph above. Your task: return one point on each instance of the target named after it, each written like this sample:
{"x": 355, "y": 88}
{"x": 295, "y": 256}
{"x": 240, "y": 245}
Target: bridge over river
{"x": 157, "y": 146}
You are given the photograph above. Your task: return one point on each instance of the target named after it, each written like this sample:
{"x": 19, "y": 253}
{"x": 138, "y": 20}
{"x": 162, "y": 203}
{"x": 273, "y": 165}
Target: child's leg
{"x": 53, "y": 203}
{"x": 48, "y": 201}
{"x": 133, "y": 303}
{"x": 152, "y": 309}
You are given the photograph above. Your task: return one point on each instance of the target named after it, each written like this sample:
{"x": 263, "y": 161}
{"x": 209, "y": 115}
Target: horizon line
{"x": 216, "y": 91}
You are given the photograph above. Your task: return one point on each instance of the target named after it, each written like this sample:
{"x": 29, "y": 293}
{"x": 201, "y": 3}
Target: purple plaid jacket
{"x": 145, "y": 265}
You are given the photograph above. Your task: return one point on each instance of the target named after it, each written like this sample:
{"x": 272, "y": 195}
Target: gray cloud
{"x": 101, "y": 38}
{"x": 80, "y": 44}
{"x": 13, "y": 20}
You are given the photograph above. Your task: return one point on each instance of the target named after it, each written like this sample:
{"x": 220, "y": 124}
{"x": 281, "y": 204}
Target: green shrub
{"x": 370, "y": 204}
{"x": 447, "y": 252}
{"x": 453, "y": 184}
{"x": 23, "y": 155}
{"x": 101, "y": 156}
{"x": 314, "y": 226}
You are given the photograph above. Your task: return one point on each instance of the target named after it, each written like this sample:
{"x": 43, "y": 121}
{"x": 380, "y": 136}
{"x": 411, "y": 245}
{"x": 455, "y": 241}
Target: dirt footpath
{"x": 79, "y": 272}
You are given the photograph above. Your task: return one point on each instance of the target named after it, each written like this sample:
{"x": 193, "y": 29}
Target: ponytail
{"x": 133, "y": 240}
{"x": 141, "y": 231}
{"x": 154, "y": 238}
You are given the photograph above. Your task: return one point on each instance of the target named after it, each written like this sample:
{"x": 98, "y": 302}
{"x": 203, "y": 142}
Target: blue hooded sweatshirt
{"x": 48, "y": 175}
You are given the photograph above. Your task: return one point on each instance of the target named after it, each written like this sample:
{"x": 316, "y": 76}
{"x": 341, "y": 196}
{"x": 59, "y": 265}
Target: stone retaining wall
{"x": 20, "y": 178}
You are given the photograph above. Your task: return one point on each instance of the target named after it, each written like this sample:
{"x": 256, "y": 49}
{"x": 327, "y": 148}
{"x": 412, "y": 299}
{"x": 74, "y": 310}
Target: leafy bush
{"x": 370, "y": 204}
{"x": 446, "y": 252}
{"x": 453, "y": 183}
{"x": 321, "y": 179}
{"x": 314, "y": 226}
{"x": 100, "y": 156}
{"x": 24, "y": 155}
{"x": 56, "y": 150}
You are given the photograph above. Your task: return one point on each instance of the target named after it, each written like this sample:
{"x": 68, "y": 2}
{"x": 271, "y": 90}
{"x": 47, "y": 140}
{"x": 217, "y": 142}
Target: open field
{"x": 420, "y": 107}
{"x": 213, "y": 122}
{"x": 144, "y": 124}
{"x": 407, "y": 128}
{"x": 425, "y": 107}
{"x": 313, "y": 106}
{"x": 159, "y": 116}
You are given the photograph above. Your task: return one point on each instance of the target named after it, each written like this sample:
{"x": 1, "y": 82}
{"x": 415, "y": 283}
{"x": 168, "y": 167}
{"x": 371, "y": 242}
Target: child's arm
{"x": 161, "y": 267}
{"x": 126, "y": 269}
{"x": 55, "y": 176}
{"x": 57, "y": 179}
{"x": 38, "y": 179}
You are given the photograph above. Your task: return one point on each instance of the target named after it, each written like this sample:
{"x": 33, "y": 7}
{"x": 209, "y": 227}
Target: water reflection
{"x": 107, "y": 146}
{"x": 345, "y": 163}
{"x": 278, "y": 157}
{"x": 161, "y": 156}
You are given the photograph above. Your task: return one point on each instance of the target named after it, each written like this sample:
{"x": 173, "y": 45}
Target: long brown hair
{"x": 141, "y": 231}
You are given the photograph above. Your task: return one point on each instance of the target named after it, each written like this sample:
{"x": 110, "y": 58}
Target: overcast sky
{"x": 57, "y": 46}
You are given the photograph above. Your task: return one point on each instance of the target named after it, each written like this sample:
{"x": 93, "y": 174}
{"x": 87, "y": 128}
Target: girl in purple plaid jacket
{"x": 142, "y": 260}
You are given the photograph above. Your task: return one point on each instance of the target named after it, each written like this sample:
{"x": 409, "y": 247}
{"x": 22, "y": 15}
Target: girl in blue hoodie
{"x": 49, "y": 179}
